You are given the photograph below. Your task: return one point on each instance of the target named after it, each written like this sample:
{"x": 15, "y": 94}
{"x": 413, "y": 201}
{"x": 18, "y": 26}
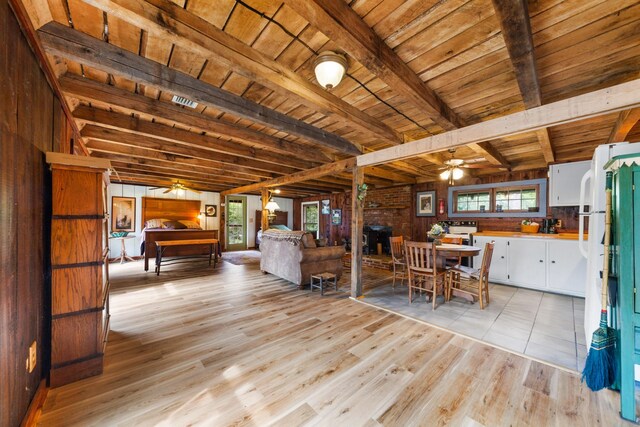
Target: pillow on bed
{"x": 190, "y": 224}
{"x": 173, "y": 225}
{"x": 155, "y": 223}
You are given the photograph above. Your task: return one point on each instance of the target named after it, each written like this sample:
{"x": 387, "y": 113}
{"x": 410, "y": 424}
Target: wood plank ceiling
{"x": 416, "y": 68}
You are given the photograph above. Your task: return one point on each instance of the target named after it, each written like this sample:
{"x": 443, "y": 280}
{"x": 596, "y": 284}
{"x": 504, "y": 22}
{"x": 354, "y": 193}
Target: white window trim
{"x": 317, "y": 205}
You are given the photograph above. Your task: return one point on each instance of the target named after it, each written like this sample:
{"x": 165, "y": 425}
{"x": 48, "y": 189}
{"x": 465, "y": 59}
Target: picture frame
{"x": 123, "y": 213}
{"x": 336, "y": 216}
{"x": 211, "y": 210}
{"x": 326, "y": 208}
{"x": 426, "y": 203}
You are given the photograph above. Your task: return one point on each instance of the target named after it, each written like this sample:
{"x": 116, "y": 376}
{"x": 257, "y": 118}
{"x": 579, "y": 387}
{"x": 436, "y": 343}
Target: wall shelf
{"x": 366, "y": 208}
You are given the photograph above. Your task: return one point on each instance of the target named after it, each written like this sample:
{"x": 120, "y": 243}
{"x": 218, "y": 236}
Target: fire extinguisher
{"x": 441, "y": 206}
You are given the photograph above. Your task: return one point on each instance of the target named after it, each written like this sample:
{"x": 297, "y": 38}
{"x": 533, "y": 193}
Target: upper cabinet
{"x": 564, "y": 183}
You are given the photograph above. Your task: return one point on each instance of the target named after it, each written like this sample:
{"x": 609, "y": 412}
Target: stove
{"x": 464, "y": 229}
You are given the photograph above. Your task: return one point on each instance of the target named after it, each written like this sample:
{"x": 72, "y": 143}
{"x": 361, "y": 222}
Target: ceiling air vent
{"x": 184, "y": 101}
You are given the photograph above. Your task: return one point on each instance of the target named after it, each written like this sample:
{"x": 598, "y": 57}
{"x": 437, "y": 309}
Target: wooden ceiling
{"x": 416, "y": 68}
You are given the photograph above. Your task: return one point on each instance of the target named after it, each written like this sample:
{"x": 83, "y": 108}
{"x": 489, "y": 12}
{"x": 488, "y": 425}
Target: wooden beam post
{"x": 265, "y": 214}
{"x": 625, "y": 122}
{"x": 356, "y": 233}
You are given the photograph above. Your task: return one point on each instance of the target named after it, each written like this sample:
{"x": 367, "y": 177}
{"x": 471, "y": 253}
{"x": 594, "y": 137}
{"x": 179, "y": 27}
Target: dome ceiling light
{"x": 330, "y": 68}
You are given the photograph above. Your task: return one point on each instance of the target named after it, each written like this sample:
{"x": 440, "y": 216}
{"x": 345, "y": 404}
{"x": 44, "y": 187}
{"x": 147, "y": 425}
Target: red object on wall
{"x": 441, "y": 206}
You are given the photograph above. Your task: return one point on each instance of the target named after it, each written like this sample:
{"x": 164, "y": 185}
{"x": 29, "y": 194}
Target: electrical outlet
{"x": 33, "y": 356}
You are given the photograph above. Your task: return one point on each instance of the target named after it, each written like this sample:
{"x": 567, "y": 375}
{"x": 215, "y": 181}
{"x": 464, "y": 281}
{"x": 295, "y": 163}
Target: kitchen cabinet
{"x": 527, "y": 262}
{"x": 546, "y": 264}
{"x": 566, "y": 268}
{"x": 564, "y": 183}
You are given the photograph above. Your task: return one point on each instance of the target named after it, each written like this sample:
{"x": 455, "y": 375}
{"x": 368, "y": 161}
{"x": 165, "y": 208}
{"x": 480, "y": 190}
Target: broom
{"x": 600, "y": 367}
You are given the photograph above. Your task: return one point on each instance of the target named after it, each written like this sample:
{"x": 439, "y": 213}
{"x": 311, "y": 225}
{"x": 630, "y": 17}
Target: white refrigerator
{"x": 592, "y": 193}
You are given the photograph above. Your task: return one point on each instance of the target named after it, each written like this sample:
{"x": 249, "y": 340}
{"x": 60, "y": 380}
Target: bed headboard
{"x": 170, "y": 209}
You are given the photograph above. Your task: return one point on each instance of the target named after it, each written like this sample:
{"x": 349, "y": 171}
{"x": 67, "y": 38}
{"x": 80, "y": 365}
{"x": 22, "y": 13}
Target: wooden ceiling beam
{"x": 626, "y": 121}
{"x": 516, "y": 31}
{"x": 142, "y": 179}
{"x": 186, "y": 161}
{"x": 71, "y": 44}
{"x": 328, "y": 169}
{"x": 174, "y": 166}
{"x": 92, "y": 91}
{"x": 181, "y": 27}
{"x": 121, "y": 122}
{"x": 604, "y": 101}
{"x": 168, "y": 173}
{"x": 338, "y": 21}
{"x": 488, "y": 151}
{"x": 124, "y": 138}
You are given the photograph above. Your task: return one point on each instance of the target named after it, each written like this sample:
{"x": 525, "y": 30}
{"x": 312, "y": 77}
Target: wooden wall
{"x": 404, "y": 220}
{"x": 31, "y": 123}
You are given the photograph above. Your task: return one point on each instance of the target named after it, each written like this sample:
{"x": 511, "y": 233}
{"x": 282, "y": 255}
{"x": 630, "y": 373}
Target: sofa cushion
{"x": 308, "y": 241}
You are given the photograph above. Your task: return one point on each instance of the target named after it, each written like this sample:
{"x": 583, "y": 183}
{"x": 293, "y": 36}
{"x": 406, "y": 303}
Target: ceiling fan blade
{"x": 166, "y": 191}
{"x": 195, "y": 191}
{"x": 156, "y": 188}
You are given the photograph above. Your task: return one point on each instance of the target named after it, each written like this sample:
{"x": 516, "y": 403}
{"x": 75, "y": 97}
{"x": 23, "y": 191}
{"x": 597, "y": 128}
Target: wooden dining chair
{"x": 452, "y": 261}
{"x": 422, "y": 272}
{"x": 474, "y": 282}
{"x": 397, "y": 256}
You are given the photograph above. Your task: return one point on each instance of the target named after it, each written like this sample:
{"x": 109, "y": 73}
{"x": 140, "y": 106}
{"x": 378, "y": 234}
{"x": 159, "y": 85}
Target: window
{"x": 310, "y": 218}
{"x": 515, "y": 199}
{"x": 472, "y": 201}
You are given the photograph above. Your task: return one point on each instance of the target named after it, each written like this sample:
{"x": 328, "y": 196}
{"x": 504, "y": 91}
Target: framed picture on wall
{"x": 123, "y": 213}
{"x": 325, "y": 207}
{"x": 425, "y": 203}
{"x": 336, "y": 216}
{"x": 211, "y": 210}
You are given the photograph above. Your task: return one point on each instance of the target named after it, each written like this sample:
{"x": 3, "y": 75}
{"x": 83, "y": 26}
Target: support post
{"x": 264, "y": 223}
{"x": 356, "y": 233}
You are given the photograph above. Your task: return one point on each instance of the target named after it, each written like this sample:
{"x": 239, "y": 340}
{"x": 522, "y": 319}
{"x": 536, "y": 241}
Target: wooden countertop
{"x": 559, "y": 236}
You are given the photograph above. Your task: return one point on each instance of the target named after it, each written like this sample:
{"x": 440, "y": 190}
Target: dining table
{"x": 452, "y": 250}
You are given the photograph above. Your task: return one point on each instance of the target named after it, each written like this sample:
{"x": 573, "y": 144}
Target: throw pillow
{"x": 190, "y": 224}
{"x": 173, "y": 225}
{"x": 155, "y": 223}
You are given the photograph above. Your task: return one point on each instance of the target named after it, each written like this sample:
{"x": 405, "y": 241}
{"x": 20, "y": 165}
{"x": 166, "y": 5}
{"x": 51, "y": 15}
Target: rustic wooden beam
{"x": 28, "y": 27}
{"x": 124, "y": 138}
{"x": 338, "y": 21}
{"x": 183, "y": 28}
{"x": 92, "y": 91}
{"x": 342, "y": 25}
{"x": 493, "y": 156}
{"x": 264, "y": 223}
{"x": 121, "y": 122}
{"x": 516, "y": 31}
{"x": 604, "y": 101}
{"x": 357, "y": 222}
{"x": 71, "y": 44}
{"x": 328, "y": 169}
{"x": 626, "y": 121}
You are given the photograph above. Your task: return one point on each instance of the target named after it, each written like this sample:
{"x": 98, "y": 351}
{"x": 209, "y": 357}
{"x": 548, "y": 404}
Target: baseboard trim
{"x": 35, "y": 407}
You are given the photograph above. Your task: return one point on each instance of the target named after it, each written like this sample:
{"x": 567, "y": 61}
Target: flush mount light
{"x": 329, "y": 68}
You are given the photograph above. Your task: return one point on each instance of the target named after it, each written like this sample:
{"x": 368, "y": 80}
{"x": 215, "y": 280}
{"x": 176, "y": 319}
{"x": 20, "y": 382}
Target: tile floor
{"x": 545, "y": 326}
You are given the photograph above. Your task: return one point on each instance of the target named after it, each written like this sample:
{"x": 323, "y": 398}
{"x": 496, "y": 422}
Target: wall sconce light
{"x": 329, "y": 68}
{"x": 271, "y": 205}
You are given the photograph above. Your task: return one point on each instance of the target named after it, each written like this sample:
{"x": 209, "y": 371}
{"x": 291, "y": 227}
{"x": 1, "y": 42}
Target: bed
{"x": 173, "y": 210}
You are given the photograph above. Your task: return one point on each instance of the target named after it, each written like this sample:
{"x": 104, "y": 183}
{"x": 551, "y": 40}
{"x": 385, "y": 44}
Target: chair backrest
{"x": 453, "y": 240}
{"x": 396, "y": 244}
{"x": 420, "y": 256}
{"x": 486, "y": 259}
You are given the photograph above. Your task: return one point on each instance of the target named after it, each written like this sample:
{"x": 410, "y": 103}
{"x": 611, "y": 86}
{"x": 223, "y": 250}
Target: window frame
{"x": 302, "y": 214}
{"x": 540, "y": 183}
{"x": 456, "y": 193}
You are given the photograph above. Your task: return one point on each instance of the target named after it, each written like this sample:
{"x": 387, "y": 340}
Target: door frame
{"x": 243, "y": 245}
{"x": 302, "y": 206}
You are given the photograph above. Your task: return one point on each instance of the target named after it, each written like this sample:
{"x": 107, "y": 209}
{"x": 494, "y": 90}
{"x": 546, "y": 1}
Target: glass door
{"x": 310, "y": 218}
{"x": 236, "y": 220}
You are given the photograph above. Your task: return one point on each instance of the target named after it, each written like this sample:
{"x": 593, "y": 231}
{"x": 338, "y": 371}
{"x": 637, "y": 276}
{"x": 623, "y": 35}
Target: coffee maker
{"x": 549, "y": 226}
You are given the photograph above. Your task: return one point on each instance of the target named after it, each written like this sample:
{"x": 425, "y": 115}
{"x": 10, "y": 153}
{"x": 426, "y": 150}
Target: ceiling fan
{"x": 175, "y": 187}
{"x": 453, "y": 168}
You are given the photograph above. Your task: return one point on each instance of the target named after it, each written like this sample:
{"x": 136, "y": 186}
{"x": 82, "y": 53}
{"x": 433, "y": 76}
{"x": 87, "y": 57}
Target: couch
{"x": 294, "y": 256}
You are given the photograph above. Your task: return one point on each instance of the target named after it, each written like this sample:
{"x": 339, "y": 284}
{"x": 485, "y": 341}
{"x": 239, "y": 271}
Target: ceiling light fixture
{"x": 329, "y": 68}
{"x": 453, "y": 170}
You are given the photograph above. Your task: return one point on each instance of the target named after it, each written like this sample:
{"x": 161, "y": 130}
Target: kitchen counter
{"x": 559, "y": 236}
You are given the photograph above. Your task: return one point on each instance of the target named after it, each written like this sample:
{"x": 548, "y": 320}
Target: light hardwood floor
{"x": 236, "y": 347}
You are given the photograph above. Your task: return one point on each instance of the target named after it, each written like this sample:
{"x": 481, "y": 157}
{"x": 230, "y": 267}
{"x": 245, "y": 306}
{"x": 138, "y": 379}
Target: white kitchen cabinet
{"x": 566, "y": 268}
{"x": 499, "y": 267}
{"x": 564, "y": 183}
{"x": 527, "y": 262}
{"x": 545, "y": 264}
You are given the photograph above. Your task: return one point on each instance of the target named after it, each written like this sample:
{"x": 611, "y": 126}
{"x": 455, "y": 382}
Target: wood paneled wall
{"x": 404, "y": 220}
{"x": 31, "y": 123}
